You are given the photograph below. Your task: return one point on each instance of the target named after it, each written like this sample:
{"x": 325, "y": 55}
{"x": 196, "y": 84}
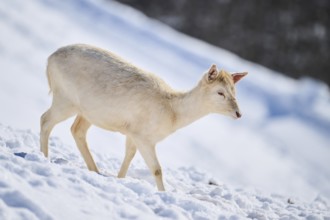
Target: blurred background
{"x": 291, "y": 37}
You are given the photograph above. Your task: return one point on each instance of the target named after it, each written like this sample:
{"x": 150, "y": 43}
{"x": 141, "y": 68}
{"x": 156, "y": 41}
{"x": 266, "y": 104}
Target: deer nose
{"x": 238, "y": 114}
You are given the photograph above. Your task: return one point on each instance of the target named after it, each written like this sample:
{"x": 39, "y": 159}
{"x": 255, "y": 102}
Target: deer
{"x": 102, "y": 89}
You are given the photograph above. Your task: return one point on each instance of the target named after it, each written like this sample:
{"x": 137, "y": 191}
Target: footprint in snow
{"x": 30, "y": 156}
{"x": 60, "y": 161}
{"x": 21, "y": 154}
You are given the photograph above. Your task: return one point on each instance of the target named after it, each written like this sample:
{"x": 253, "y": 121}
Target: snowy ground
{"x": 279, "y": 147}
{"x": 32, "y": 187}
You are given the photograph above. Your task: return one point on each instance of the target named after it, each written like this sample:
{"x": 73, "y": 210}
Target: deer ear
{"x": 238, "y": 76}
{"x": 212, "y": 73}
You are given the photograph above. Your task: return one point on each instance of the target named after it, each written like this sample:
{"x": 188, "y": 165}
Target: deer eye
{"x": 222, "y": 94}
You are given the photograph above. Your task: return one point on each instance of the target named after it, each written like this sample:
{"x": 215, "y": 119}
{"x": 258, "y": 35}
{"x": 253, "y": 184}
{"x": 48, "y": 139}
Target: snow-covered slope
{"x": 281, "y": 145}
{"x": 32, "y": 187}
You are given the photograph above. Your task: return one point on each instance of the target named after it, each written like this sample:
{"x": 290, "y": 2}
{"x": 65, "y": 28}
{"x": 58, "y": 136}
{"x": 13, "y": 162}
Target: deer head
{"x": 219, "y": 91}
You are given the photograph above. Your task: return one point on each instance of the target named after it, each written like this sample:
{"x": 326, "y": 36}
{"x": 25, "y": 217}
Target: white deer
{"x": 106, "y": 91}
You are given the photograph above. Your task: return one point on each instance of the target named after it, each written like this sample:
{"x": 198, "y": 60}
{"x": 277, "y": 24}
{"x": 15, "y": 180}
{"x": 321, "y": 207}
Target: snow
{"x": 32, "y": 187}
{"x": 278, "y": 151}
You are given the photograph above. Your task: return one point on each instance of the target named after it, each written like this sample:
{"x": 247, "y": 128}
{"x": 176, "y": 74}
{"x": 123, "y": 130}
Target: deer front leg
{"x": 129, "y": 154}
{"x": 148, "y": 153}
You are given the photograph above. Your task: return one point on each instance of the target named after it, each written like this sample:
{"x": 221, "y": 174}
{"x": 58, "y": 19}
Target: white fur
{"x": 104, "y": 90}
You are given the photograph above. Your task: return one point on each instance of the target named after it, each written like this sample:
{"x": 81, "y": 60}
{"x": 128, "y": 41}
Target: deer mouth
{"x": 236, "y": 114}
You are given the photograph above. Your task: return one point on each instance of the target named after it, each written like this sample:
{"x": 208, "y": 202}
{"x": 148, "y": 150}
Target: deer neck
{"x": 188, "y": 107}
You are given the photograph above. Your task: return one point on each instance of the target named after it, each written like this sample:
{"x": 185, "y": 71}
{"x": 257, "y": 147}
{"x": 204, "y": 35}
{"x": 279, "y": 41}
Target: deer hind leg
{"x": 148, "y": 153}
{"x": 79, "y": 130}
{"x": 129, "y": 154}
{"x": 59, "y": 111}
